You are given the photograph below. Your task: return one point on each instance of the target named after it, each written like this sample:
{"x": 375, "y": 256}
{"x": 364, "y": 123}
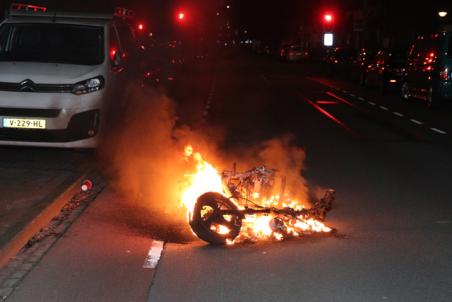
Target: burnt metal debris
{"x": 211, "y": 209}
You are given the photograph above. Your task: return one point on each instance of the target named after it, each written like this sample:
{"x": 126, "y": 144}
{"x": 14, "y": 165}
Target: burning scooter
{"x": 248, "y": 209}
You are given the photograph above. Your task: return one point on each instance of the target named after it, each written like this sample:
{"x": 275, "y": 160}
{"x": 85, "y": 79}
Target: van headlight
{"x": 88, "y": 86}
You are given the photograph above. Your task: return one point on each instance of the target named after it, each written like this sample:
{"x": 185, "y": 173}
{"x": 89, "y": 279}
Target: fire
{"x": 262, "y": 226}
{"x": 205, "y": 179}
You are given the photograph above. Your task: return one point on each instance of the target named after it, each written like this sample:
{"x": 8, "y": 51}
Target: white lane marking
{"x": 416, "y": 121}
{"x": 438, "y": 130}
{"x": 371, "y": 103}
{"x": 384, "y": 108}
{"x": 154, "y": 254}
{"x": 443, "y": 221}
{"x": 361, "y": 99}
{"x": 207, "y": 106}
{"x": 344, "y": 91}
{"x": 205, "y": 113}
{"x": 398, "y": 114}
{"x": 352, "y": 95}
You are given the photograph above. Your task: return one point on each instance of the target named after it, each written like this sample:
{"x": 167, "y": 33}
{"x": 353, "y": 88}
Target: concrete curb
{"x": 37, "y": 223}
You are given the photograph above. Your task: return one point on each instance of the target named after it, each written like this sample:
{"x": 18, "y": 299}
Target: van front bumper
{"x": 81, "y": 126}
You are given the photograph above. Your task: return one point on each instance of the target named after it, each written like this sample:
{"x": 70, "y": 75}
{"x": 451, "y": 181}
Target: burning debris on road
{"x": 231, "y": 207}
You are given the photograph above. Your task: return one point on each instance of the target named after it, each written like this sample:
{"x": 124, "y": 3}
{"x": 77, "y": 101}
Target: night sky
{"x": 265, "y": 20}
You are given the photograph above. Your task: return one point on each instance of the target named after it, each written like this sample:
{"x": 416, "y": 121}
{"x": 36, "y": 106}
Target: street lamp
{"x": 442, "y": 14}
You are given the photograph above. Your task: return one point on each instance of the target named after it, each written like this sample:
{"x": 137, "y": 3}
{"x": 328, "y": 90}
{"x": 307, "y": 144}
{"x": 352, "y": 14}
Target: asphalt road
{"x": 393, "y": 201}
{"x": 388, "y": 160}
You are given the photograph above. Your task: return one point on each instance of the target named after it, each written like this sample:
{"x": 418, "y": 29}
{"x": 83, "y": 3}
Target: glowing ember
{"x": 262, "y": 218}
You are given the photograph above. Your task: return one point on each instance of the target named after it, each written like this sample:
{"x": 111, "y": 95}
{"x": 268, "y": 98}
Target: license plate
{"x": 24, "y": 123}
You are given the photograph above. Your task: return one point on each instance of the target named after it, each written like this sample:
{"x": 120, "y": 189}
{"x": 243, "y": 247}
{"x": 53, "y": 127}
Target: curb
{"x": 38, "y": 222}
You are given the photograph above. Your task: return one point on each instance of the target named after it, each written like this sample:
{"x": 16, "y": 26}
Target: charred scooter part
{"x": 216, "y": 219}
{"x": 323, "y": 205}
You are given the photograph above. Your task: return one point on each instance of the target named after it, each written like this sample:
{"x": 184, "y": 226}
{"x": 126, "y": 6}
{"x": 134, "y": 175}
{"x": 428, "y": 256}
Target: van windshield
{"x": 52, "y": 43}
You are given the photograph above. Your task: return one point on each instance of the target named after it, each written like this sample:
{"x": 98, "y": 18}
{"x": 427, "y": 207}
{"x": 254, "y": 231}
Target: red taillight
{"x": 28, "y": 7}
{"x": 113, "y": 52}
{"x": 444, "y": 74}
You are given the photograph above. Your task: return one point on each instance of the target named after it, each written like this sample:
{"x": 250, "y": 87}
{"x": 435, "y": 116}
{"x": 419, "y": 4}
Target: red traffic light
{"x": 182, "y": 16}
{"x": 328, "y": 18}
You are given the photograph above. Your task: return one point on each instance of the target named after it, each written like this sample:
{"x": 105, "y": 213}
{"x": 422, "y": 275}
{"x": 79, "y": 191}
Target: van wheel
{"x": 432, "y": 98}
{"x": 405, "y": 92}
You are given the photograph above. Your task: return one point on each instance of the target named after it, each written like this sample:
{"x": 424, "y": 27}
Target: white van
{"x": 58, "y": 71}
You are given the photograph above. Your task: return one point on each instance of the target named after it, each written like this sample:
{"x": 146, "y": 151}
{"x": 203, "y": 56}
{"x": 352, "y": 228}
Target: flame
{"x": 205, "y": 178}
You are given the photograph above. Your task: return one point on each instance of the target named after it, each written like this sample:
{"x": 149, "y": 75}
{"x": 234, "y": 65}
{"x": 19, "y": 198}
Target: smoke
{"x": 281, "y": 154}
{"x": 140, "y": 153}
{"x": 144, "y": 156}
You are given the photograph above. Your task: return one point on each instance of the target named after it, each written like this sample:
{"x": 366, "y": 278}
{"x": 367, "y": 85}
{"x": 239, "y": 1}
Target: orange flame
{"x": 205, "y": 179}
{"x": 254, "y": 227}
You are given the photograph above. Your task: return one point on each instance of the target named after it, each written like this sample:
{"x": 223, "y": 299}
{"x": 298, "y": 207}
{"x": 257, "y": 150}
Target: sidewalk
{"x": 100, "y": 258}
{"x": 32, "y": 182}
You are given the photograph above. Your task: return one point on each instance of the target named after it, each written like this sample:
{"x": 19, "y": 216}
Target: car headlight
{"x": 88, "y": 86}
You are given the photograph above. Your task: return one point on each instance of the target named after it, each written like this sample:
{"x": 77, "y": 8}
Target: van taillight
{"x": 112, "y": 53}
{"x": 444, "y": 74}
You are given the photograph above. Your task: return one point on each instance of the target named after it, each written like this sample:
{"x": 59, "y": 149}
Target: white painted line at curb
{"x": 384, "y": 108}
{"x": 416, "y": 121}
{"x": 398, "y": 114}
{"x": 438, "y": 130}
{"x": 154, "y": 254}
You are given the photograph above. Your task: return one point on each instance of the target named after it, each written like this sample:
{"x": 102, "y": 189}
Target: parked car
{"x": 386, "y": 71}
{"x": 429, "y": 66}
{"x": 293, "y": 53}
{"x": 359, "y": 65}
{"x": 339, "y": 60}
{"x": 58, "y": 73}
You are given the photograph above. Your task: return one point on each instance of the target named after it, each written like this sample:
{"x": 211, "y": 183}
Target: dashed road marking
{"x": 371, "y": 103}
{"x": 438, "y": 130}
{"x": 384, "y": 108}
{"x": 362, "y": 99}
{"x": 352, "y": 95}
{"x": 154, "y": 254}
{"x": 416, "y": 121}
{"x": 443, "y": 221}
{"x": 344, "y": 91}
{"x": 398, "y": 114}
